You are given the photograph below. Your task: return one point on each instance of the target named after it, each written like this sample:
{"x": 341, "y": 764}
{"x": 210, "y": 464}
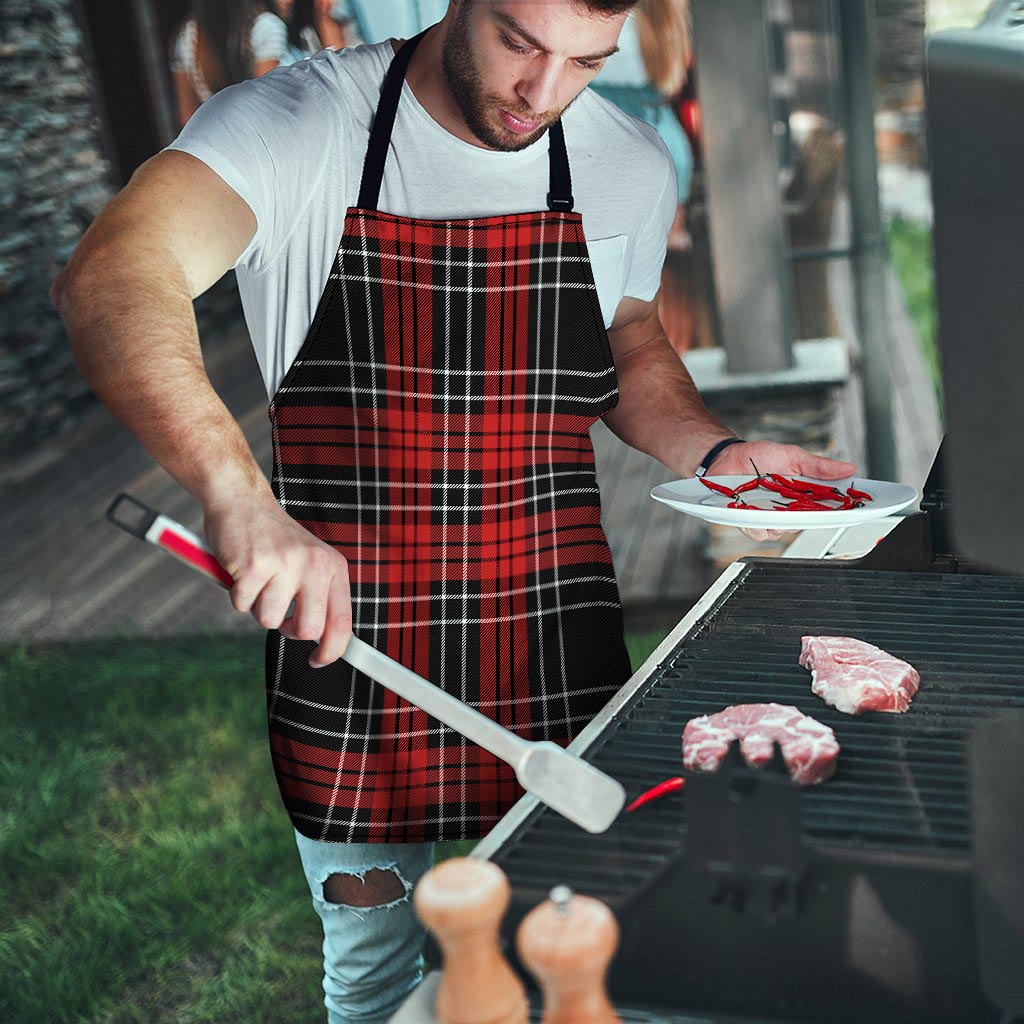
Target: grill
{"x": 902, "y": 784}
{"x": 886, "y": 842}
{"x": 746, "y": 897}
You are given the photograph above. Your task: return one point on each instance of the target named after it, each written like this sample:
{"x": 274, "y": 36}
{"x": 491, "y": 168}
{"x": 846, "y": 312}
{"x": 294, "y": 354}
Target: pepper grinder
{"x": 567, "y": 943}
{"x": 462, "y": 901}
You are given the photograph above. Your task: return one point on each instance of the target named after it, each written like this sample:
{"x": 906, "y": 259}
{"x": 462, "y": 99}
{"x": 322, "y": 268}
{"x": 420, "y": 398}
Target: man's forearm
{"x": 133, "y": 333}
{"x": 660, "y": 411}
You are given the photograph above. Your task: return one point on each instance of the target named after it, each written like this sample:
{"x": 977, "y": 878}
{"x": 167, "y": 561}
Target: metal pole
{"x": 867, "y": 236}
{"x": 748, "y": 233}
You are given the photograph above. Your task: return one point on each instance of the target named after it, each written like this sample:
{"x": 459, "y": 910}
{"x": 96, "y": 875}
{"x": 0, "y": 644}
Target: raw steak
{"x": 855, "y": 677}
{"x": 809, "y": 748}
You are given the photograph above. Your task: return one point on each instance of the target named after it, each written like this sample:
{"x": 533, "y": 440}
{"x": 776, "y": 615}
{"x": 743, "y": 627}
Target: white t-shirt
{"x": 292, "y": 145}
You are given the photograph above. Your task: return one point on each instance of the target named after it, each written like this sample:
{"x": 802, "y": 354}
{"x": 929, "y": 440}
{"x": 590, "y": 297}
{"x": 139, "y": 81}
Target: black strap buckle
{"x": 560, "y": 203}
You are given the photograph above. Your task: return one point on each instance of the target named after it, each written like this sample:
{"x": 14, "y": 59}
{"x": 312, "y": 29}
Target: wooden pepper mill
{"x": 567, "y": 943}
{"x": 462, "y": 901}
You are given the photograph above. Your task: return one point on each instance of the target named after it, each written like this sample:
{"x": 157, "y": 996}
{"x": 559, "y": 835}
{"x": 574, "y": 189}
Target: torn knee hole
{"x": 373, "y": 889}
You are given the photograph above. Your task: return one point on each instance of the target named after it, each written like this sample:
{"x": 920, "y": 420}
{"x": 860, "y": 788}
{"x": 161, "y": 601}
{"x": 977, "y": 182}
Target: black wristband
{"x": 705, "y": 463}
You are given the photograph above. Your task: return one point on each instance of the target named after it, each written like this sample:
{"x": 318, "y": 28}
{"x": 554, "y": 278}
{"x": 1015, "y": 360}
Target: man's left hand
{"x": 771, "y": 457}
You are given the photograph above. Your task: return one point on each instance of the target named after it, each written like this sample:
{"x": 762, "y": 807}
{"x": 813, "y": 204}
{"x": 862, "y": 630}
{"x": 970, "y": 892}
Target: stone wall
{"x": 54, "y": 178}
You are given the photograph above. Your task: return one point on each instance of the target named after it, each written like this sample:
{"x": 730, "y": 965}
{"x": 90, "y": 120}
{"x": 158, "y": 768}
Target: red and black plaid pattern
{"x": 435, "y": 430}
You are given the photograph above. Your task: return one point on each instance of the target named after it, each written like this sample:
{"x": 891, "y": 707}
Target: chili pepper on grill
{"x": 720, "y": 488}
{"x": 656, "y": 793}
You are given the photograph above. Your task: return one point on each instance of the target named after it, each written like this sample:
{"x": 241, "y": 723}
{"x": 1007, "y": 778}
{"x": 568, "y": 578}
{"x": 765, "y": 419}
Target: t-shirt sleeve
{"x": 269, "y": 38}
{"x": 651, "y": 240}
{"x": 268, "y": 139}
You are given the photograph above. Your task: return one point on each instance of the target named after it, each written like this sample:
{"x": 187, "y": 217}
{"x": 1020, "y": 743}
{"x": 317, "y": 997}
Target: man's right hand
{"x": 274, "y": 561}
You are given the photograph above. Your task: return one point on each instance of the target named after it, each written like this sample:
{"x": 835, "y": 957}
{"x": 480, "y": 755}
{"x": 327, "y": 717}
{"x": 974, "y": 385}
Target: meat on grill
{"x": 809, "y": 748}
{"x": 855, "y": 677}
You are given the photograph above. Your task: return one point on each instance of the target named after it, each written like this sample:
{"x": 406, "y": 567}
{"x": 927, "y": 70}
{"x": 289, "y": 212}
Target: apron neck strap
{"x": 560, "y": 194}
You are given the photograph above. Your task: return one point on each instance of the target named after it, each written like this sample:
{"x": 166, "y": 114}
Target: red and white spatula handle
{"x": 147, "y": 524}
{"x": 571, "y": 786}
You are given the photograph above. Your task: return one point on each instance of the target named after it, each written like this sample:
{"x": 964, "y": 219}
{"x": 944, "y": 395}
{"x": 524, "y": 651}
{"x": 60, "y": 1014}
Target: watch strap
{"x": 705, "y": 463}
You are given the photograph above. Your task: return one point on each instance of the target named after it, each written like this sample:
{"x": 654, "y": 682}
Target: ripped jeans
{"x": 372, "y": 953}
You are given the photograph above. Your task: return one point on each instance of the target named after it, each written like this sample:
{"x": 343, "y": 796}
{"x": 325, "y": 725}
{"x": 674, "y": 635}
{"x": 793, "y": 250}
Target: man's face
{"x": 513, "y": 66}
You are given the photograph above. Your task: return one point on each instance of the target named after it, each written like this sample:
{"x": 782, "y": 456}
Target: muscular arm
{"x": 660, "y": 411}
{"x": 126, "y": 300}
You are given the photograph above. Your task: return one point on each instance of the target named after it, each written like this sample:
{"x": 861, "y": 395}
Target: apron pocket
{"x": 608, "y": 265}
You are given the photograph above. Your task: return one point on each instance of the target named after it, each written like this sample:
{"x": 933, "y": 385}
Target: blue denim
{"x": 373, "y": 956}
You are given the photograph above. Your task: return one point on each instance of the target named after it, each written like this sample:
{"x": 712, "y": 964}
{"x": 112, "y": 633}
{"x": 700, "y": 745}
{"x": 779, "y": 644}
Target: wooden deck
{"x": 78, "y": 576}
{"x": 71, "y": 574}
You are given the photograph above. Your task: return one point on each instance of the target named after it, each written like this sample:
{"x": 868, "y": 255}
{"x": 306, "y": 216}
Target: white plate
{"x": 693, "y": 498}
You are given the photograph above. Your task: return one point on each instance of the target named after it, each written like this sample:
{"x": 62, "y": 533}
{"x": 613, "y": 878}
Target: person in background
{"x": 313, "y": 25}
{"x": 648, "y": 73}
{"x": 221, "y": 43}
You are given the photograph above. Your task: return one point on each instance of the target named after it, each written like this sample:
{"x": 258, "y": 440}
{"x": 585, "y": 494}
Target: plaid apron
{"x": 434, "y": 429}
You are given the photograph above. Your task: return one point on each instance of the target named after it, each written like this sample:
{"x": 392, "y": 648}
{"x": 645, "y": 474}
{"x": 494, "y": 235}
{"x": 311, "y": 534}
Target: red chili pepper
{"x": 863, "y": 495}
{"x": 750, "y": 485}
{"x": 720, "y": 488}
{"x": 793, "y": 485}
{"x": 806, "y": 505}
{"x": 772, "y": 485}
{"x": 809, "y": 487}
{"x": 656, "y": 793}
{"x": 787, "y": 492}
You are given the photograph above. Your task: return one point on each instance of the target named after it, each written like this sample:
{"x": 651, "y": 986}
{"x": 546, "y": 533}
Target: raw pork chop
{"x": 809, "y": 748}
{"x": 855, "y": 677}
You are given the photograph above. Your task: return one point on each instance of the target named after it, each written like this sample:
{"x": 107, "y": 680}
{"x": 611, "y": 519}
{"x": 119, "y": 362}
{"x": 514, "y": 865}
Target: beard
{"x": 478, "y": 107}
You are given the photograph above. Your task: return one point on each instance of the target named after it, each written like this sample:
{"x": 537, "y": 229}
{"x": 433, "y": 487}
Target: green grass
{"x": 148, "y": 871}
{"x": 910, "y": 246}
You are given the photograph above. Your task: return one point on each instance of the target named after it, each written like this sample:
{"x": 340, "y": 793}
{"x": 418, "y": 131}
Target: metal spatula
{"x": 567, "y": 784}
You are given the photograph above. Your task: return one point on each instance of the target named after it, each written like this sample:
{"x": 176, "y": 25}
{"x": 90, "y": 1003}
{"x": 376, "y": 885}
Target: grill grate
{"x": 902, "y": 779}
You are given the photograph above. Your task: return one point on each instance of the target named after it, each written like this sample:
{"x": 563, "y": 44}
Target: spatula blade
{"x": 577, "y": 790}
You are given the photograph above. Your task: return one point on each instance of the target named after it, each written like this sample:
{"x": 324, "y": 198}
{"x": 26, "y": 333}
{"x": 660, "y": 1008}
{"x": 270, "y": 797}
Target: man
{"x": 433, "y": 379}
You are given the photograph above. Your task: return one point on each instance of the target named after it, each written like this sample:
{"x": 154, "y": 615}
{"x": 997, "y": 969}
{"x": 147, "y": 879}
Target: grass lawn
{"x": 910, "y": 246}
{"x": 148, "y": 871}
